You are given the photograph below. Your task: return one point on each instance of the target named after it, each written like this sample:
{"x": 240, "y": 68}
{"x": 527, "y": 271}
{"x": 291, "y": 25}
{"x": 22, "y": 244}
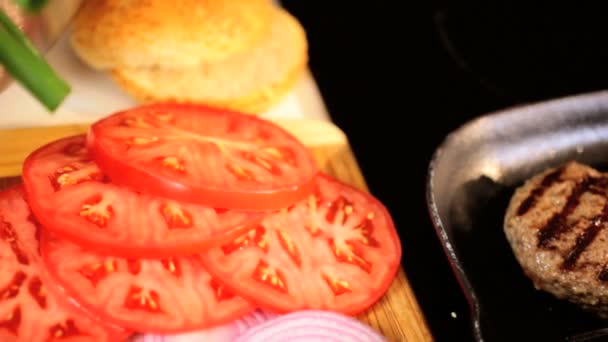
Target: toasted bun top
{"x": 172, "y": 34}
{"x": 281, "y": 54}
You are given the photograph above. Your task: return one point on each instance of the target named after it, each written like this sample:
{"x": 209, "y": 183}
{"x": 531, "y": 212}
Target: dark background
{"x": 397, "y": 76}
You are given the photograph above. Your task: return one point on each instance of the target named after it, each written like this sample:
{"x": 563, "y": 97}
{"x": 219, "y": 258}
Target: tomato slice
{"x": 31, "y": 309}
{"x": 336, "y": 250}
{"x": 70, "y": 196}
{"x": 146, "y": 295}
{"x": 203, "y": 155}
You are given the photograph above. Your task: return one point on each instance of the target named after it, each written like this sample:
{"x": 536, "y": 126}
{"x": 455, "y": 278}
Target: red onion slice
{"x": 311, "y": 325}
{"x": 224, "y": 333}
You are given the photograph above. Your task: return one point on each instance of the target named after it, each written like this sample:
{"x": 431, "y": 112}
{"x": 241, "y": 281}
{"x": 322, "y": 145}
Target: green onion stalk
{"x": 25, "y": 64}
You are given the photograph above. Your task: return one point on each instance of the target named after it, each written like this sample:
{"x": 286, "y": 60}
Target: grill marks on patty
{"x": 559, "y": 225}
{"x": 550, "y": 179}
{"x": 585, "y": 239}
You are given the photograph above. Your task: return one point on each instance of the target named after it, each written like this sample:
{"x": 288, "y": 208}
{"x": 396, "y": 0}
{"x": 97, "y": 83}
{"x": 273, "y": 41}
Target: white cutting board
{"x": 94, "y": 95}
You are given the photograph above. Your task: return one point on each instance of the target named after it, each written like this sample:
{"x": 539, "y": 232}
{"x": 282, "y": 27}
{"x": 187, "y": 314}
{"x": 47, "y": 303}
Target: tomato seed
{"x": 346, "y": 252}
{"x": 135, "y": 122}
{"x": 97, "y": 271}
{"x": 12, "y": 321}
{"x": 175, "y": 216}
{"x": 336, "y": 285}
{"x": 65, "y": 330}
{"x": 97, "y": 210}
{"x": 8, "y": 234}
{"x": 264, "y": 163}
{"x": 140, "y": 141}
{"x": 12, "y": 289}
{"x": 289, "y": 247}
{"x": 264, "y": 274}
{"x": 172, "y": 265}
{"x": 365, "y": 231}
{"x": 139, "y": 299}
{"x": 240, "y": 173}
{"x": 339, "y": 210}
{"x": 220, "y": 291}
{"x": 37, "y": 291}
{"x": 173, "y": 163}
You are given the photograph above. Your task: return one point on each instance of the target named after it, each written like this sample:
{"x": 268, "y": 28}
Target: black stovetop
{"x": 398, "y": 76}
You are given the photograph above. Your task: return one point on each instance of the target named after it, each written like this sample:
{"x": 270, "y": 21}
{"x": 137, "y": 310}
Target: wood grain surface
{"x": 396, "y": 315}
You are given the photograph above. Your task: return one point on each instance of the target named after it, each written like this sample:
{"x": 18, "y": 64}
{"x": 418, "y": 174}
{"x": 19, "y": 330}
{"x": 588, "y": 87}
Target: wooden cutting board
{"x": 397, "y": 315}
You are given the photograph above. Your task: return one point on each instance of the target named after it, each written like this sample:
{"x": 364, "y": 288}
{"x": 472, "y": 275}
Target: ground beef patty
{"x": 556, "y": 225}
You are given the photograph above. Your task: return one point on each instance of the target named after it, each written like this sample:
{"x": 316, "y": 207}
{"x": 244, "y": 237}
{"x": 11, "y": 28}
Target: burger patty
{"x": 556, "y": 225}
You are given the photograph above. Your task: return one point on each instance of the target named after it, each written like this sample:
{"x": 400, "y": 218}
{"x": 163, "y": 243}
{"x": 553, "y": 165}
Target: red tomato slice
{"x": 69, "y": 195}
{"x": 203, "y": 155}
{"x": 146, "y": 295}
{"x": 337, "y": 250}
{"x": 30, "y": 308}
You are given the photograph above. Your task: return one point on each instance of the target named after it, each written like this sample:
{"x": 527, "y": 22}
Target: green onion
{"x": 31, "y": 5}
{"x": 28, "y": 67}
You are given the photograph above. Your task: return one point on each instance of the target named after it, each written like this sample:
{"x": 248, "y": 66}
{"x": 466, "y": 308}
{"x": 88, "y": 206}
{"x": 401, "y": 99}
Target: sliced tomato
{"x": 203, "y": 155}
{"x": 145, "y": 295}
{"x": 337, "y": 250}
{"x": 71, "y": 197}
{"x": 31, "y": 309}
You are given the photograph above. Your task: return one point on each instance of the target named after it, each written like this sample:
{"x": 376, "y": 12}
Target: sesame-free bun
{"x": 250, "y": 81}
{"x": 110, "y": 34}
